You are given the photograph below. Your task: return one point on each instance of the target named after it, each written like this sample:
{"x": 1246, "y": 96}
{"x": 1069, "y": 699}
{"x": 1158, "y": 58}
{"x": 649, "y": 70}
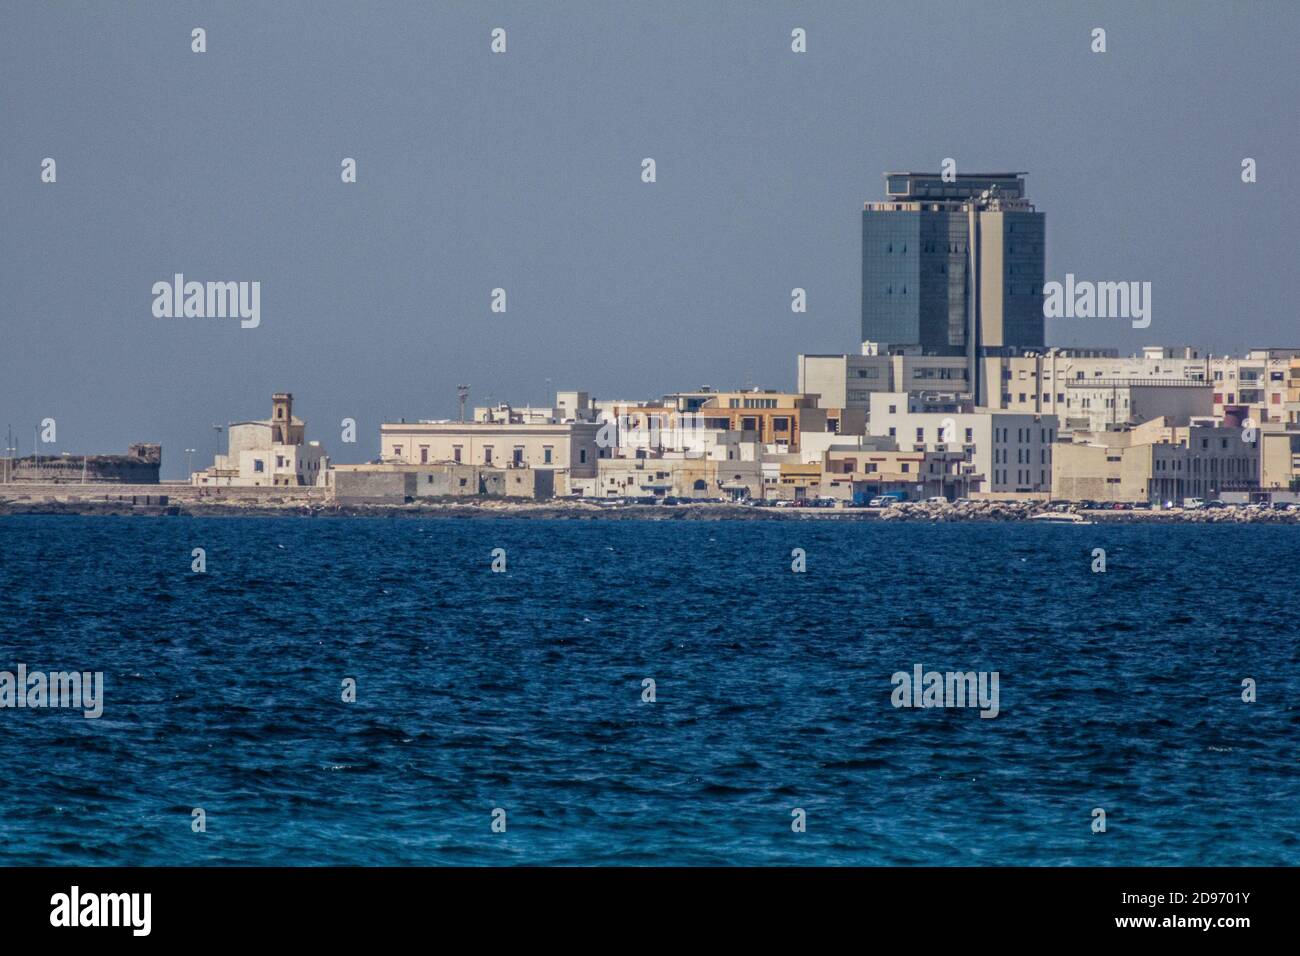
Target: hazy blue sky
{"x": 522, "y": 171}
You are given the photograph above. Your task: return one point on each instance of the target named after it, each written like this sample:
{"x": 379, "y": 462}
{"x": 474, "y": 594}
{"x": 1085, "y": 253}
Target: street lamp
{"x": 10, "y": 451}
{"x": 189, "y": 464}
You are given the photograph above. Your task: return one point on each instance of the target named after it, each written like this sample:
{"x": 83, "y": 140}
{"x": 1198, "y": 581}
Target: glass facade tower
{"x": 918, "y": 259}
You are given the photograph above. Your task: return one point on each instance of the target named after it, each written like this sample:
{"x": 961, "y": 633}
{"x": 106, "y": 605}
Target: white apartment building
{"x": 1011, "y": 451}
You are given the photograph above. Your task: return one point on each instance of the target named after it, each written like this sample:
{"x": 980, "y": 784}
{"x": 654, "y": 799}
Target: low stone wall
{"x": 73, "y": 492}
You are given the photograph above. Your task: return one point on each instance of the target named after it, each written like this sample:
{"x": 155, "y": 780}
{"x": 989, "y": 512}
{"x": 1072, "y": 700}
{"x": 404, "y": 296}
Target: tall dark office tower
{"x": 923, "y": 246}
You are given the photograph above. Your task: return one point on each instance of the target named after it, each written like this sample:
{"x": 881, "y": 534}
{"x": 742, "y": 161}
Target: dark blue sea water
{"x": 522, "y": 690}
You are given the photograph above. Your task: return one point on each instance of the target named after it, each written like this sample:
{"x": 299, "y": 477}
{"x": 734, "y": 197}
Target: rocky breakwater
{"x": 964, "y": 511}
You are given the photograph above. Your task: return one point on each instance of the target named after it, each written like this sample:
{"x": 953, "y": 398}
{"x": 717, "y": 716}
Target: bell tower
{"x": 281, "y": 417}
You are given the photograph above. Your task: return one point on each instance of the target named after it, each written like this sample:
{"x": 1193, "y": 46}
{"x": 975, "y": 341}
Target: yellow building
{"x": 1154, "y": 462}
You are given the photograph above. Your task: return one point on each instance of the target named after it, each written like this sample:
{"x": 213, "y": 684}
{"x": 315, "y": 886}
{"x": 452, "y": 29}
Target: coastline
{"x": 588, "y": 511}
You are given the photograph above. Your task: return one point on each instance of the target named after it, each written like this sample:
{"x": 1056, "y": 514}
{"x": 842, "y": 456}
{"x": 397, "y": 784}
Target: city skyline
{"x": 475, "y": 180}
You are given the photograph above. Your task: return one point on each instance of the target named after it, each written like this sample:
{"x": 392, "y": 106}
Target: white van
{"x": 1193, "y": 504}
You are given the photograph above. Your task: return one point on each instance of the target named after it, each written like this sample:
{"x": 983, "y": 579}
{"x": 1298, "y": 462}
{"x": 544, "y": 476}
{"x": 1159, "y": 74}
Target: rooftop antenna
{"x": 462, "y": 392}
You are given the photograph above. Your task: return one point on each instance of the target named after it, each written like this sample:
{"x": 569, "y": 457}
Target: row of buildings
{"x": 1132, "y": 437}
{"x": 953, "y": 393}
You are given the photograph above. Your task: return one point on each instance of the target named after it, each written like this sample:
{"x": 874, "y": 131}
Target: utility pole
{"x": 189, "y": 464}
{"x": 462, "y": 392}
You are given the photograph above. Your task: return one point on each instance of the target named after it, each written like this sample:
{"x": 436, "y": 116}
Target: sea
{"x": 498, "y": 691}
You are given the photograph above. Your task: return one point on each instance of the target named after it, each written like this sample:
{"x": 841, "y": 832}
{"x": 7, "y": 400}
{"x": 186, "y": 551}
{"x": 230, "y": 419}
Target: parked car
{"x": 936, "y": 500}
{"x": 1193, "y": 504}
{"x": 1216, "y": 503}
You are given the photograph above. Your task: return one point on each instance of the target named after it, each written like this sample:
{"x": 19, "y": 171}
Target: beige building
{"x": 768, "y": 417}
{"x": 567, "y": 448}
{"x": 1256, "y": 386}
{"x": 389, "y": 483}
{"x": 1119, "y": 404}
{"x": 871, "y": 471}
{"x": 270, "y": 452}
{"x": 1037, "y": 381}
{"x": 1010, "y": 452}
{"x": 1279, "y": 456}
{"x": 1154, "y": 462}
{"x": 848, "y": 381}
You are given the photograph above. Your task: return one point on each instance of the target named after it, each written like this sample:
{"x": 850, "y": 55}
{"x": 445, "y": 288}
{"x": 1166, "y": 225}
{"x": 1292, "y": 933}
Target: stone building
{"x": 268, "y": 452}
{"x": 139, "y": 466}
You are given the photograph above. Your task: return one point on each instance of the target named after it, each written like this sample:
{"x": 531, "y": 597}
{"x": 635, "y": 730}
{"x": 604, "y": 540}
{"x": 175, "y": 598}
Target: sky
{"x": 522, "y": 170}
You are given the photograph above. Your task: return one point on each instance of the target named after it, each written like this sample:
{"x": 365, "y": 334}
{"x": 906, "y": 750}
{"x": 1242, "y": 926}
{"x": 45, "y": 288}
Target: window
{"x": 517, "y": 458}
{"x": 397, "y": 451}
{"x": 582, "y": 456}
{"x": 455, "y": 454}
{"x": 546, "y": 454}
{"x": 424, "y": 454}
{"x": 487, "y": 455}
{"x": 258, "y": 465}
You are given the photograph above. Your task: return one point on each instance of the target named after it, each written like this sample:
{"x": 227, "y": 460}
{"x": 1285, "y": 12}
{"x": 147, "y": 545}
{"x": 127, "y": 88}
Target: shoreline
{"x": 585, "y": 511}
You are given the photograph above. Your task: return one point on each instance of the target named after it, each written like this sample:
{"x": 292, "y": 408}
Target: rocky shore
{"x": 585, "y": 510}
